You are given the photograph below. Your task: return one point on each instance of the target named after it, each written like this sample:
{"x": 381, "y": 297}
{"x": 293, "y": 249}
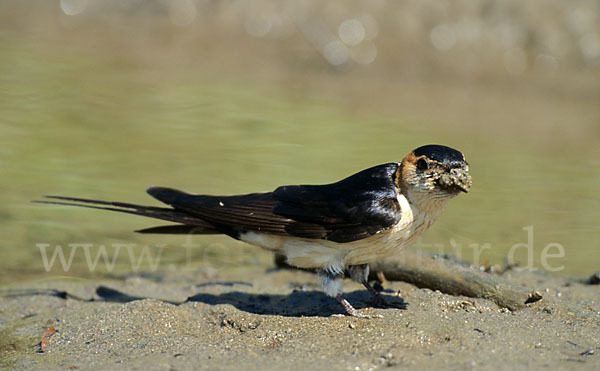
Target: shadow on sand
{"x": 296, "y": 304}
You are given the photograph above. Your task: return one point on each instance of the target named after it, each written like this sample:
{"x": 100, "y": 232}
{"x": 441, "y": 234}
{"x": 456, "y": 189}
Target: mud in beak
{"x": 456, "y": 180}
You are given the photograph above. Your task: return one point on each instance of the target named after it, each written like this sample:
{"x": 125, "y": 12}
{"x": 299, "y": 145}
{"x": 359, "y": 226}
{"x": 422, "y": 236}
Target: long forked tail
{"x": 188, "y": 223}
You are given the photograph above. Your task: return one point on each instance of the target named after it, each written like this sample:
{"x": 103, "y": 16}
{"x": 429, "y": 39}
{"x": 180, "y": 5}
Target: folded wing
{"x": 351, "y": 209}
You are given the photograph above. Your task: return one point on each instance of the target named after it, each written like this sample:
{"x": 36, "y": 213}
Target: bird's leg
{"x": 332, "y": 285}
{"x": 360, "y": 274}
{"x": 376, "y": 297}
{"x": 349, "y": 308}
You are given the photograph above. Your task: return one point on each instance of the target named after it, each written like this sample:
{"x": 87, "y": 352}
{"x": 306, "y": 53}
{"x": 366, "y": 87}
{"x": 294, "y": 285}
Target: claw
{"x": 351, "y": 311}
{"x": 379, "y": 301}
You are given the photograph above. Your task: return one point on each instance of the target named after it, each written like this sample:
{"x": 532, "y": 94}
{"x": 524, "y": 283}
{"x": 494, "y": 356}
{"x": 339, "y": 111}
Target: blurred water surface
{"x": 90, "y": 108}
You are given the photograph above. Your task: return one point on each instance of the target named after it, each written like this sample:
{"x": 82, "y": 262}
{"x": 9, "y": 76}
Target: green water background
{"x": 100, "y": 112}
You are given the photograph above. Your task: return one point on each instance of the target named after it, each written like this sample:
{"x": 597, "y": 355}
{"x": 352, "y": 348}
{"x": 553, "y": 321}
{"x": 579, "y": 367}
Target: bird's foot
{"x": 378, "y": 301}
{"x": 351, "y": 311}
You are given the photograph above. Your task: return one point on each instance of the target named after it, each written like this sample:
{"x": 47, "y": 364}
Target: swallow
{"x": 332, "y": 228}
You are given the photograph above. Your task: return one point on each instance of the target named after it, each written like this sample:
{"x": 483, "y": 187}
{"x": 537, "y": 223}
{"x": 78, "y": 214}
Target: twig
{"x": 453, "y": 278}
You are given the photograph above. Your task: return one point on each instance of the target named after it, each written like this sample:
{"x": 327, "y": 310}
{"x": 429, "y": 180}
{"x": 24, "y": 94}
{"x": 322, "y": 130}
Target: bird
{"x": 333, "y": 228}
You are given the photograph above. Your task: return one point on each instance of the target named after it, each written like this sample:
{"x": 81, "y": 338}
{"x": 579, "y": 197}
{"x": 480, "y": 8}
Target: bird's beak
{"x": 457, "y": 179}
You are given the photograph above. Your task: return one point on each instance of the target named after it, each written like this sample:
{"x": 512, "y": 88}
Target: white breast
{"x": 334, "y": 256}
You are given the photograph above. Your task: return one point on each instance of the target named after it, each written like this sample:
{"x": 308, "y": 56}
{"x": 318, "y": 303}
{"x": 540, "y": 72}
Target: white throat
{"x": 426, "y": 202}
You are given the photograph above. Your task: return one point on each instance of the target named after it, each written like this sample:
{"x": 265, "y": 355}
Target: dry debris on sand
{"x": 260, "y": 318}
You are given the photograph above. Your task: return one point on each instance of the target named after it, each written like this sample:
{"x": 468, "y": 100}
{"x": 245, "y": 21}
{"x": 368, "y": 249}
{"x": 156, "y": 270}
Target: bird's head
{"x": 432, "y": 174}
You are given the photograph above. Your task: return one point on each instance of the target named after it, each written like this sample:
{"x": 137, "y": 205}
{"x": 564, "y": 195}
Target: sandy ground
{"x": 266, "y": 318}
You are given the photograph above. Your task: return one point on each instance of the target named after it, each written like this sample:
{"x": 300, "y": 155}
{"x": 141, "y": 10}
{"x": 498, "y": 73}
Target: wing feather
{"x": 351, "y": 209}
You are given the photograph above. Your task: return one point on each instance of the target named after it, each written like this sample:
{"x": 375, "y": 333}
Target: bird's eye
{"x": 422, "y": 164}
